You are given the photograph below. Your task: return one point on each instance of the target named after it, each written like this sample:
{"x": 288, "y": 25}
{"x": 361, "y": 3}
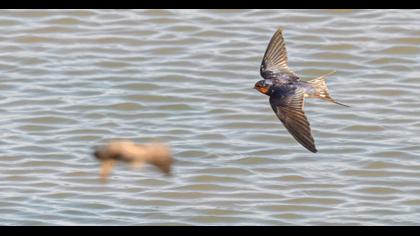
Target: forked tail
{"x": 321, "y": 90}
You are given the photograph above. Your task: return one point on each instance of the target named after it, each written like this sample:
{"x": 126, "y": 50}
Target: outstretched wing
{"x": 288, "y": 107}
{"x": 275, "y": 59}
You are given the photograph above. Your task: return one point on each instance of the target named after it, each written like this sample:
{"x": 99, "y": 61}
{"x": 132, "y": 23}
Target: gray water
{"x": 73, "y": 79}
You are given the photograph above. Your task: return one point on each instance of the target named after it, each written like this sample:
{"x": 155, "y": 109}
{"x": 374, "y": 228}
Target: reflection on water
{"x": 72, "y": 79}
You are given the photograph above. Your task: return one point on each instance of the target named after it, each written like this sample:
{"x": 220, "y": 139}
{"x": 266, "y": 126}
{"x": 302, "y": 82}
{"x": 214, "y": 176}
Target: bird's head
{"x": 263, "y": 86}
{"x": 98, "y": 153}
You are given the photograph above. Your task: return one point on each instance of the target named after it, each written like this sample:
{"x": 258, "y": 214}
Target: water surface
{"x": 72, "y": 79}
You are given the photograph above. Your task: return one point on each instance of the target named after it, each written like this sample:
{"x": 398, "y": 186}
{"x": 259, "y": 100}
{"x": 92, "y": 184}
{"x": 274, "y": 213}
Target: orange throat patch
{"x": 263, "y": 90}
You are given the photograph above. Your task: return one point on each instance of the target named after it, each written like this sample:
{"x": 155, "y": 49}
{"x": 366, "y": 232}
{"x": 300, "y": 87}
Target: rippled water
{"x": 72, "y": 79}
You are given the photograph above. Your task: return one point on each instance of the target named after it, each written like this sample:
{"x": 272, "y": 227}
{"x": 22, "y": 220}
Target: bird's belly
{"x": 310, "y": 95}
{"x": 310, "y": 91}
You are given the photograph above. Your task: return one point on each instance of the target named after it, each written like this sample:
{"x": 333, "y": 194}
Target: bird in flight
{"x": 137, "y": 155}
{"x": 287, "y": 92}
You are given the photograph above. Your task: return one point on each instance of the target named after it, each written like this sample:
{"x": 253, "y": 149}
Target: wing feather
{"x": 275, "y": 58}
{"x": 289, "y": 109}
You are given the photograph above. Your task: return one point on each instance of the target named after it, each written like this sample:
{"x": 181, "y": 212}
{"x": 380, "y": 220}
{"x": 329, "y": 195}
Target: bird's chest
{"x": 282, "y": 92}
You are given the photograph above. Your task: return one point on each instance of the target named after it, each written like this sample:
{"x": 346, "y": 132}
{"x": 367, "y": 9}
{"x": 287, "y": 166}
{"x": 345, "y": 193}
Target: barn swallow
{"x": 135, "y": 154}
{"x": 287, "y": 92}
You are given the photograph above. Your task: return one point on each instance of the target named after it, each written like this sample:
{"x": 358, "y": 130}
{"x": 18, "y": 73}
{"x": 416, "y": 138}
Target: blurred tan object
{"x": 136, "y": 155}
